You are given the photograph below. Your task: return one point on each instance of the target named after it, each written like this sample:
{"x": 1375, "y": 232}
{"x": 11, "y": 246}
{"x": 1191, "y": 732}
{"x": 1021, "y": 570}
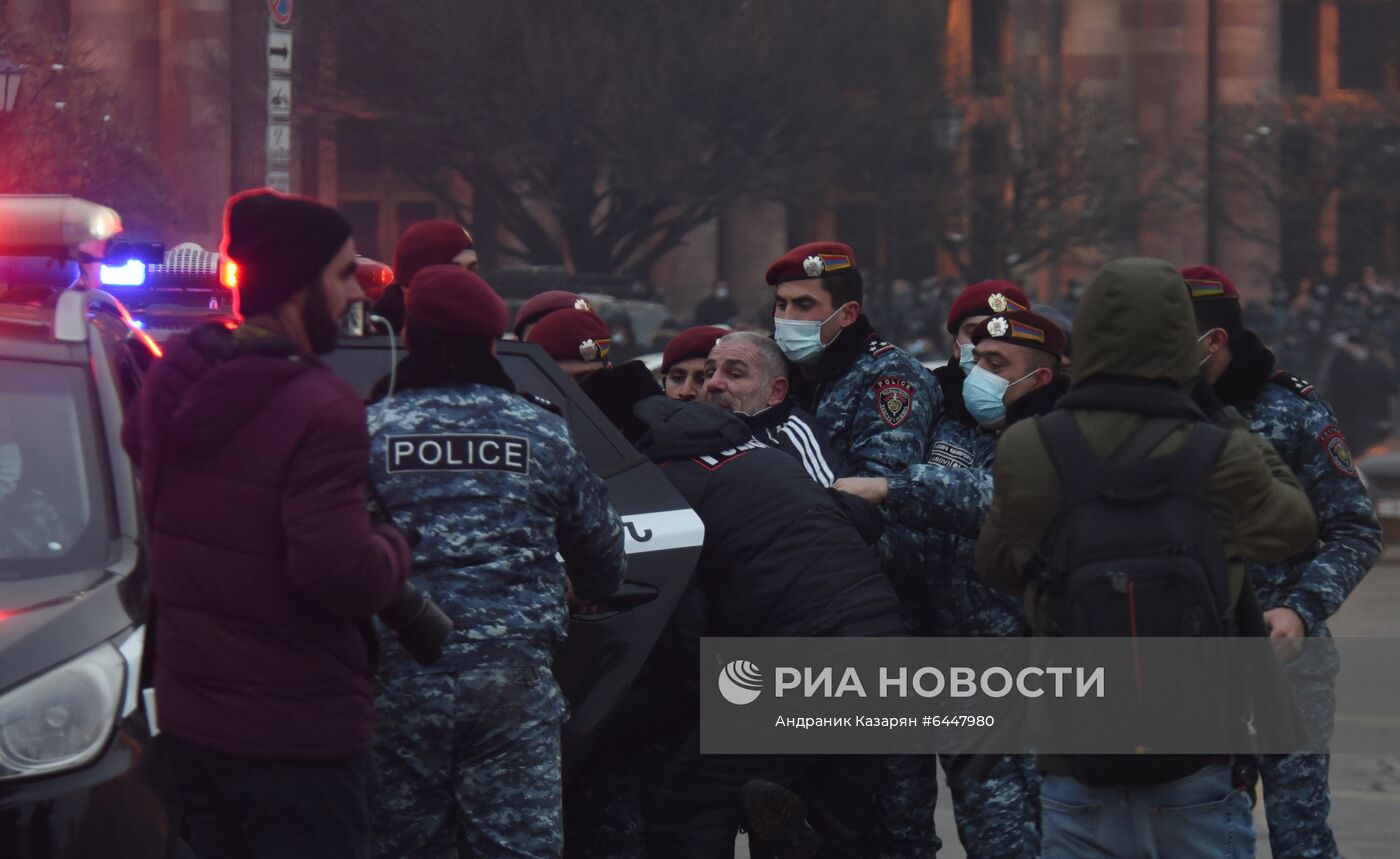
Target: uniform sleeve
{"x": 1349, "y": 534}
{"x": 893, "y": 420}
{"x": 1267, "y": 515}
{"x": 589, "y": 531}
{"x": 1025, "y": 498}
{"x": 937, "y": 496}
{"x": 337, "y": 559}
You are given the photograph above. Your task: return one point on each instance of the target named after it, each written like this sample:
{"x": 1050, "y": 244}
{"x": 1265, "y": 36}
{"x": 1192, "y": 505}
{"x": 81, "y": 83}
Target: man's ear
{"x": 778, "y": 391}
{"x": 850, "y": 313}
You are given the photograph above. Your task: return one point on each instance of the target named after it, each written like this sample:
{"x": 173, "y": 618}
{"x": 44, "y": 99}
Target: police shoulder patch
{"x": 875, "y": 346}
{"x": 893, "y": 399}
{"x": 1334, "y": 445}
{"x": 1287, "y": 380}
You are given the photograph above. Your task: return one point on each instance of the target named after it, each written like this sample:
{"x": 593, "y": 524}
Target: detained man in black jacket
{"x": 746, "y": 373}
{"x": 782, "y": 557}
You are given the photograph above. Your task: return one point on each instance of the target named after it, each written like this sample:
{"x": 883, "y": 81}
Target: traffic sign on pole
{"x": 281, "y": 11}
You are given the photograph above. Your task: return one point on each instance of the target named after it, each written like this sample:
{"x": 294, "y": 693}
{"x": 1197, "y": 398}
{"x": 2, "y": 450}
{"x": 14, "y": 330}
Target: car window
{"x": 52, "y": 490}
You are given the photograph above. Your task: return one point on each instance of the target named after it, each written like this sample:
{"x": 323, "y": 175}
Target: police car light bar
{"x": 57, "y": 226}
{"x": 132, "y": 273}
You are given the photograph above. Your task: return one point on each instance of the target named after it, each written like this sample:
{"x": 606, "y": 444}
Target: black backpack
{"x": 1136, "y": 551}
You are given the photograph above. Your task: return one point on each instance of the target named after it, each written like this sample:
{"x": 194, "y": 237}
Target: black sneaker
{"x": 777, "y": 818}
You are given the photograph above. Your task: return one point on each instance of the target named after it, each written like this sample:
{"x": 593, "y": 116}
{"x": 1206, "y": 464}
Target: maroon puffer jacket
{"x": 264, "y": 561}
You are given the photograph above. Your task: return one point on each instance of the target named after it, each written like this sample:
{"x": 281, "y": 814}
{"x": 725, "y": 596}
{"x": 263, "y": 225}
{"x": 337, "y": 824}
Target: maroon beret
{"x": 546, "y": 303}
{"x": 1023, "y": 328}
{"x": 456, "y": 301}
{"x": 691, "y": 343}
{"x": 429, "y": 243}
{"x": 578, "y": 335}
{"x": 814, "y": 259}
{"x": 989, "y": 296}
{"x": 1208, "y": 283}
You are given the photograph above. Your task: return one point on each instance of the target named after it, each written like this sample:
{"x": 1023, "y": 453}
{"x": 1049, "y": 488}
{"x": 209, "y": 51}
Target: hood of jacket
{"x": 212, "y": 385}
{"x": 676, "y": 429}
{"x": 1135, "y": 320}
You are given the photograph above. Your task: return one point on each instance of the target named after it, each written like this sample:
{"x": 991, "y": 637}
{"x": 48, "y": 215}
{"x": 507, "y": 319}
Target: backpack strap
{"x": 1080, "y": 468}
{"x": 1192, "y": 464}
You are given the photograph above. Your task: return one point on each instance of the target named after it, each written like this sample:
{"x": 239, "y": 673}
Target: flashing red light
{"x": 228, "y": 274}
{"x": 373, "y": 277}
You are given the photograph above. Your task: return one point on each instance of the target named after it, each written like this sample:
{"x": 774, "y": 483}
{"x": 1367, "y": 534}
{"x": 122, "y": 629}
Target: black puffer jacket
{"x": 782, "y": 556}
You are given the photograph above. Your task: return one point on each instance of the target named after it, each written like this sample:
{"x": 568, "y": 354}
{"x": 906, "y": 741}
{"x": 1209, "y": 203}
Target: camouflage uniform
{"x": 946, "y": 499}
{"x": 468, "y": 748}
{"x": 1303, "y": 429}
{"x": 878, "y": 405}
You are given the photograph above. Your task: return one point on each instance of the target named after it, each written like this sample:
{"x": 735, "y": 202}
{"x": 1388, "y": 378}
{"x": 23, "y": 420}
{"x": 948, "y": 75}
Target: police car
{"x": 605, "y": 649}
{"x": 76, "y": 775}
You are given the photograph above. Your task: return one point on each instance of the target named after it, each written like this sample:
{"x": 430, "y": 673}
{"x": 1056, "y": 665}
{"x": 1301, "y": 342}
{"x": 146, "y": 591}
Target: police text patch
{"x": 1338, "y": 454}
{"x": 458, "y": 452}
{"x": 893, "y": 397}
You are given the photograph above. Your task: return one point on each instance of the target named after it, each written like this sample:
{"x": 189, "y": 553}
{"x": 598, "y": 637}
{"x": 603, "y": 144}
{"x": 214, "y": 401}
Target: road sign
{"x": 279, "y": 99}
{"x": 279, "y": 51}
{"x": 279, "y": 180}
{"x": 279, "y": 143}
{"x": 281, "y": 11}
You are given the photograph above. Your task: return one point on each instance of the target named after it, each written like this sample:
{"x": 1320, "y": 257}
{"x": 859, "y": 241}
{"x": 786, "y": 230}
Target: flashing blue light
{"x": 139, "y": 324}
{"x": 133, "y": 273}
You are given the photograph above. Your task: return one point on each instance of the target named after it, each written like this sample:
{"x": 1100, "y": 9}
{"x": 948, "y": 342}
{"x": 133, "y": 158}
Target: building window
{"x": 1366, "y": 44}
{"x": 1298, "y": 23}
{"x": 413, "y": 213}
{"x": 359, "y": 146}
{"x": 988, "y": 27}
{"x": 363, "y": 216}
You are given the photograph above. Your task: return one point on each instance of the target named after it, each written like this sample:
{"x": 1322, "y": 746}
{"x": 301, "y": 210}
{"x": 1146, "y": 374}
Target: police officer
{"x": 683, "y": 361}
{"x": 469, "y": 751}
{"x": 877, "y": 404}
{"x": 1300, "y": 594}
{"x": 1015, "y": 375}
{"x": 423, "y": 244}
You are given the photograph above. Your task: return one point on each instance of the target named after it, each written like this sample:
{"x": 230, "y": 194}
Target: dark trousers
{"x": 695, "y": 813}
{"x": 237, "y": 808}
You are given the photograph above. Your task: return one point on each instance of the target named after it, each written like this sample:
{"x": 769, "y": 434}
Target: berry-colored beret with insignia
{"x": 546, "y": 303}
{"x": 989, "y": 296}
{"x": 1208, "y": 283}
{"x": 452, "y": 299}
{"x": 578, "y": 335}
{"x": 814, "y": 259}
{"x": 1022, "y": 328}
{"x": 691, "y": 343}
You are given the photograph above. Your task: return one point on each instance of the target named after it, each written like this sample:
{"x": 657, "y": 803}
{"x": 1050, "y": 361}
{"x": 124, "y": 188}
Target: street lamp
{"x": 10, "y": 75}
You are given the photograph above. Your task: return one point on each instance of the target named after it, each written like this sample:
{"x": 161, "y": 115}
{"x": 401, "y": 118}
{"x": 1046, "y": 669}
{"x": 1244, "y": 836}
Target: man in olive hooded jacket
{"x": 1136, "y": 357}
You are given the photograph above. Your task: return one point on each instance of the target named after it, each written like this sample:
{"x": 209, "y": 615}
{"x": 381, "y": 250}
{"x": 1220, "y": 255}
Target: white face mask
{"x": 801, "y": 340}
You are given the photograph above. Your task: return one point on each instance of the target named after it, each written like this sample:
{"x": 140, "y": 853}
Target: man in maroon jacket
{"x": 265, "y": 565}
